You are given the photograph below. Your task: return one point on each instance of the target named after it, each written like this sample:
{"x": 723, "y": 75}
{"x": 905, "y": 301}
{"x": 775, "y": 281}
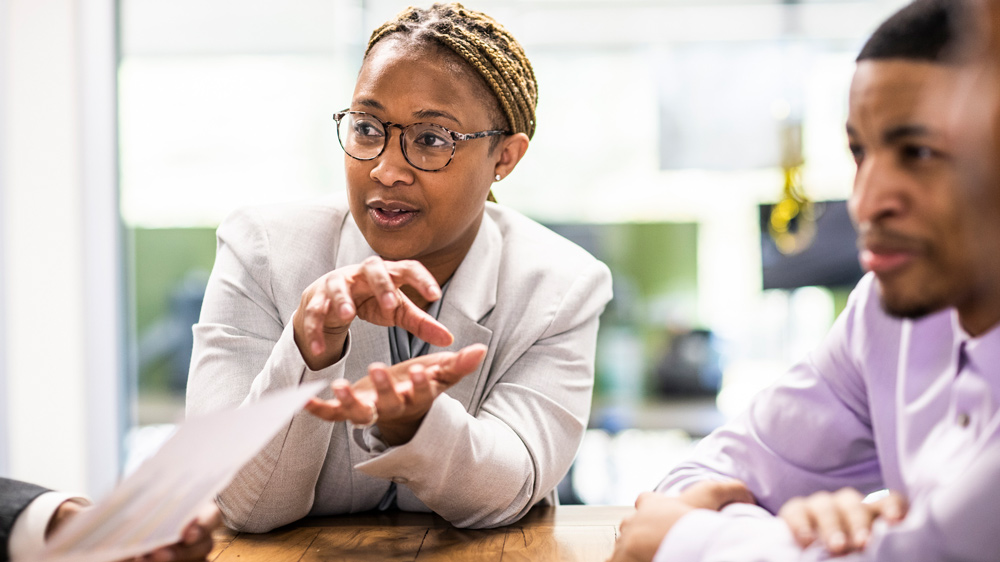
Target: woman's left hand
{"x": 398, "y": 397}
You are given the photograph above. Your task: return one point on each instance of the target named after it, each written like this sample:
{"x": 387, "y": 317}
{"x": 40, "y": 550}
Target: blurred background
{"x": 695, "y": 146}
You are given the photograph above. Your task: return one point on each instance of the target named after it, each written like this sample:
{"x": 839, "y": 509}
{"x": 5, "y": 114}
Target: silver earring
{"x": 497, "y": 178}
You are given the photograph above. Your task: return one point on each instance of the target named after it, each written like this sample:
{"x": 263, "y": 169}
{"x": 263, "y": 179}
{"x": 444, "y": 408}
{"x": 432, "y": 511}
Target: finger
{"x": 414, "y": 274}
{"x": 312, "y": 323}
{"x": 208, "y": 519}
{"x": 354, "y": 410}
{"x": 732, "y": 491}
{"x": 414, "y": 320}
{"x": 856, "y": 517}
{"x": 643, "y": 498}
{"x": 830, "y": 527}
{"x": 388, "y": 399}
{"x": 422, "y": 392}
{"x": 380, "y": 283}
{"x": 892, "y": 508}
{"x": 184, "y": 552}
{"x": 457, "y": 365}
{"x": 328, "y": 410}
{"x": 341, "y": 302}
{"x": 799, "y": 521}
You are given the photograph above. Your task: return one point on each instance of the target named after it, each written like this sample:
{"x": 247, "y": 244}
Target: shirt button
{"x": 963, "y": 420}
{"x": 399, "y": 480}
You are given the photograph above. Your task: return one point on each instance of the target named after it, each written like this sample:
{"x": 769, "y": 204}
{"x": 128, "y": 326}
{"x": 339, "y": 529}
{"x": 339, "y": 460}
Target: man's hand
{"x": 195, "y": 544}
{"x": 64, "y": 513}
{"x": 642, "y": 533}
{"x": 714, "y": 495}
{"x": 398, "y": 397}
{"x": 841, "y": 521}
{"x": 196, "y": 540}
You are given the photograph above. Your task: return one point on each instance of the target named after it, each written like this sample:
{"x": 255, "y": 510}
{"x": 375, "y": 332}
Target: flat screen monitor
{"x": 830, "y": 261}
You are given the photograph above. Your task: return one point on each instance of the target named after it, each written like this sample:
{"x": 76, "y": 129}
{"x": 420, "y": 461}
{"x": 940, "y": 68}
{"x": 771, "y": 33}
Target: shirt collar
{"x": 982, "y": 353}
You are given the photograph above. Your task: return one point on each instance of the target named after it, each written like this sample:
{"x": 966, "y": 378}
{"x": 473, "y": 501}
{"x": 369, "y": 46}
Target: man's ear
{"x": 510, "y": 152}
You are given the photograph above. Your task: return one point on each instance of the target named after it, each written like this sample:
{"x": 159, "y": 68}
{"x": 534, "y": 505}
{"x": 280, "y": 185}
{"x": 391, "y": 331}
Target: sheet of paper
{"x": 150, "y": 508}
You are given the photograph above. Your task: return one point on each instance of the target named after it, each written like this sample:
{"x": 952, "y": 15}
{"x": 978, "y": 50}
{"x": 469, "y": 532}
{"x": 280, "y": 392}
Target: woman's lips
{"x": 391, "y": 218}
{"x": 883, "y": 262}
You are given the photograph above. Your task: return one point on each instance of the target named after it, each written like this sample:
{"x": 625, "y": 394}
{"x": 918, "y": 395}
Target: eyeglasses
{"x": 425, "y": 146}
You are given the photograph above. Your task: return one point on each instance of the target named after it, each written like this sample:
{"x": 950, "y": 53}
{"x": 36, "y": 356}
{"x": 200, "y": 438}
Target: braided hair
{"x": 485, "y": 45}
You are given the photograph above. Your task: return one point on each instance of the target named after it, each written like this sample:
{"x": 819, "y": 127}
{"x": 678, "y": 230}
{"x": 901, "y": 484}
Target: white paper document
{"x": 150, "y": 508}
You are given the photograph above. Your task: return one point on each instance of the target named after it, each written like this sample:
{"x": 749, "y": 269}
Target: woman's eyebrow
{"x": 370, "y": 103}
{"x": 431, "y": 113}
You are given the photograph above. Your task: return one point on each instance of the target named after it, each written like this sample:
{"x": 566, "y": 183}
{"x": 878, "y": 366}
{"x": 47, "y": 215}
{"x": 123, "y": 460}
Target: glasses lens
{"x": 428, "y": 147}
{"x": 361, "y": 135}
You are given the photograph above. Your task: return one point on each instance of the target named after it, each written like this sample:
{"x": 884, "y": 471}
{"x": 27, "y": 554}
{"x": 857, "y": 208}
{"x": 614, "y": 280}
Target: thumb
{"x": 462, "y": 363}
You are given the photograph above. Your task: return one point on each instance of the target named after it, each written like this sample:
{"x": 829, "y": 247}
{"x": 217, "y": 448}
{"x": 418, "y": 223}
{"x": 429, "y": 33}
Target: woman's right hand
{"x": 370, "y": 291}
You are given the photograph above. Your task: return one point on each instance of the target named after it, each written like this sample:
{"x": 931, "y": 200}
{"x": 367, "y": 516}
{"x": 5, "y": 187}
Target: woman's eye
{"x": 430, "y": 139}
{"x": 367, "y": 129}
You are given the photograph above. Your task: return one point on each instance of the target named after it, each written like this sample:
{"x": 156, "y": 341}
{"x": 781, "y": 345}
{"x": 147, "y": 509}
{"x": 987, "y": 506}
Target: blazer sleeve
{"x": 489, "y": 469}
{"x": 14, "y": 498}
{"x": 242, "y": 350}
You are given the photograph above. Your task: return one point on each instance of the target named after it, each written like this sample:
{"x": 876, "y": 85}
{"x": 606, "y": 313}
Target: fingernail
{"x": 341, "y": 392}
{"x": 345, "y": 310}
{"x": 418, "y": 375}
{"x": 837, "y": 541}
{"x": 317, "y": 347}
{"x": 860, "y": 537}
{"x": 434, "y": 292}
{"x": 389, "y": 300}
{"x": 379, "y": 377}
{"x": 191, "y": 536}
{"x": 891, "y": 512}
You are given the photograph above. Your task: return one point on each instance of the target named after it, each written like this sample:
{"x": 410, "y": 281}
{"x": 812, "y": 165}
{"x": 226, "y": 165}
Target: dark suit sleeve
{"x": 14, "y": 497}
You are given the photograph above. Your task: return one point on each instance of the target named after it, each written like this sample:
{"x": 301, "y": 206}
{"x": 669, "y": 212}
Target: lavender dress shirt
{"x": 908, "y": 405}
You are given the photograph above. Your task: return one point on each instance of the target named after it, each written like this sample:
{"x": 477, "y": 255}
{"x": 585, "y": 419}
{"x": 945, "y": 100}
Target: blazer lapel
{"x": 470, "y": 298}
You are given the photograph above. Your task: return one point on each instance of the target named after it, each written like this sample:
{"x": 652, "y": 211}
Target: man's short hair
{"x": 924, "y": 30}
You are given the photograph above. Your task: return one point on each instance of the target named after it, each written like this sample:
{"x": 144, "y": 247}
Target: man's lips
{"x": 884, "y": 252}
{"x": 882, "y": 262}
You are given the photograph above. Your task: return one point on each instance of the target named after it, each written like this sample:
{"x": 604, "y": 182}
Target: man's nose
{"x": 879, "y": 191}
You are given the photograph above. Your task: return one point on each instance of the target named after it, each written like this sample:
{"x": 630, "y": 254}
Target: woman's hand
{"x": 842, "y": 521}
{"x": 371, "y": 291}
{"x": 398, "y": 397}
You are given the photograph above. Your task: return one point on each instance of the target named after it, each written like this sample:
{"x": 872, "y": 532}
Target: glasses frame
{"x": 386, "y": 125}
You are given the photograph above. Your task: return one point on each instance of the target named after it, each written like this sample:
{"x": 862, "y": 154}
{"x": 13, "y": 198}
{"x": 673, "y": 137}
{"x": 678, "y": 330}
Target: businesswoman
{"x": 458, "y": 335}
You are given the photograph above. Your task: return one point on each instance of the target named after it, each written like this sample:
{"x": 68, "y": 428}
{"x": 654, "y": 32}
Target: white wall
{"x": 61, "y": 303}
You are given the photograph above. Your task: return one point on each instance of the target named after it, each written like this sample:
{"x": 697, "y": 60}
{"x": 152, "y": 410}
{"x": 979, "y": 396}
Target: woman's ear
{"x": 510, "y": 152}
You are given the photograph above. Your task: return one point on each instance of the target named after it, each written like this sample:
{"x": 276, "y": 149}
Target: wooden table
{"x": 579, "y": 533}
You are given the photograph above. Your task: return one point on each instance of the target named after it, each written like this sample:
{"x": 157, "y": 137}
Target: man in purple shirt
{"x": 903, "y": 393}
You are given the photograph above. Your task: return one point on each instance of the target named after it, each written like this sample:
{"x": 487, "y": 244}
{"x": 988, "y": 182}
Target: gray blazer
{"x": 496, "y": 444}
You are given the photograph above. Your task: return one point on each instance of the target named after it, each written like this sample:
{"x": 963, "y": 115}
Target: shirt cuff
{"x": 425, "y": 448}
{"x": 27, "y": 536}
{"x": 739, "y": 532}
